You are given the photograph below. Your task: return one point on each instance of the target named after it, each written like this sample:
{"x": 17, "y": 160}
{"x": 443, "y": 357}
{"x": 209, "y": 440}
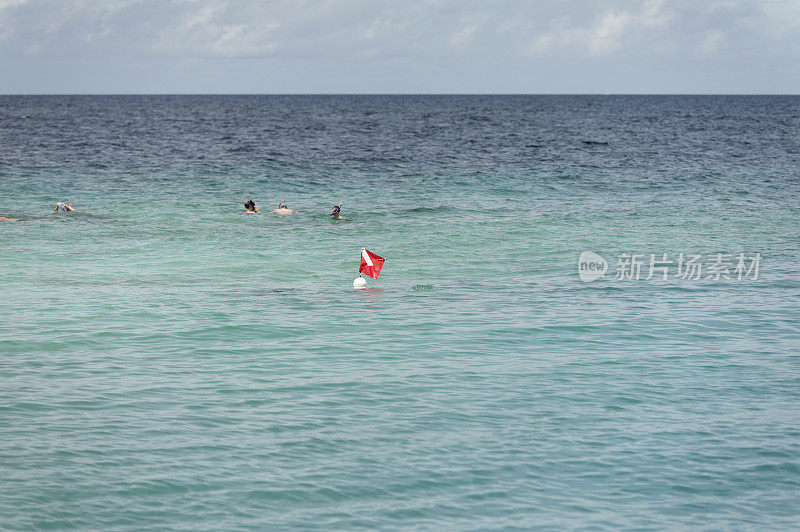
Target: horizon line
{"x": 397, "y": 94}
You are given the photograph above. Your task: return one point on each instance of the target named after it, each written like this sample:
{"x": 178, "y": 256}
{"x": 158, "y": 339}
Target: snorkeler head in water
{"x": 283, "y": 208}
{"x": 336, "y": 212}
{"x": 61, "y": 206}
{"x": 251, "y": 207}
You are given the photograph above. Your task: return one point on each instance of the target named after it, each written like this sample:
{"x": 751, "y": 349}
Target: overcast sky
{"x": 376, "y": 46}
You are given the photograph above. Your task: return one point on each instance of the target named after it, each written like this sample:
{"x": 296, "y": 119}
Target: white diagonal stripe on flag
{"x": 365, "y": 255}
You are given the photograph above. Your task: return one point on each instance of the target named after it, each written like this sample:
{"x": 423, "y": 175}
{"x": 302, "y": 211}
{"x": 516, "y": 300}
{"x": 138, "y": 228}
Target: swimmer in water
{"x": 9, "y": 219}
{"x": 336, "y": 212}
{"x": 283, "y": 209}
{"x": 61, "y": 206}
{"x": 250, "y": 207}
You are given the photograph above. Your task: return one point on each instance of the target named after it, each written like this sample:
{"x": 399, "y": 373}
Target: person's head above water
{"x": 335, "y": 210}
{"x": 250, "y": 206}
{"x": 283, "y": 209}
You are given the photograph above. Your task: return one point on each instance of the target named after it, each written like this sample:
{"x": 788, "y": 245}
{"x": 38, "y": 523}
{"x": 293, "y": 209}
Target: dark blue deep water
{"x": 169, "y": 364}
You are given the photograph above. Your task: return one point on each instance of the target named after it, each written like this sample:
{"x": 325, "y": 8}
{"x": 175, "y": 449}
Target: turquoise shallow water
{"x": 169, "y": 364}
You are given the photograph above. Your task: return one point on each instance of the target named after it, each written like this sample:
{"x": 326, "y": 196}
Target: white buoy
{"x": 359, "y": 282}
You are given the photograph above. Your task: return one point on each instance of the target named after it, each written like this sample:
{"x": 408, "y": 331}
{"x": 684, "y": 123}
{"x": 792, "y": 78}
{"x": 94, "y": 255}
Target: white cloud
{"x": 6, "y": 30}
{"x": 463, "y": 36}
{"x": 384, "y": 27}
{"x": 712, "y": 42}
{"x": 459, "y": 43}
{"x": 607, "y": 35}
{"x": 210, "y": 31}
{"x": 5, "y": 4}
{"x": 610, "y": 31}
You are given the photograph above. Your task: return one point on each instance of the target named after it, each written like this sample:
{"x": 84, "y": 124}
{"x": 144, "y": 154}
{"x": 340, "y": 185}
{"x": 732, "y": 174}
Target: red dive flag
{"x": 371, "y": 264}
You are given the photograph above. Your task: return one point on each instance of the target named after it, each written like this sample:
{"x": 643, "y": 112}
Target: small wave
{"x": 423, "y": 210}
{"x": 241, "y": 149}
{"x": 423, "y": 288}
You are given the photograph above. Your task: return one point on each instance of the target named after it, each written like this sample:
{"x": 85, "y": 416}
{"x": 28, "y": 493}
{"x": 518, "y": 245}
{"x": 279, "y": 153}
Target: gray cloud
{"x": 381, "y": 46}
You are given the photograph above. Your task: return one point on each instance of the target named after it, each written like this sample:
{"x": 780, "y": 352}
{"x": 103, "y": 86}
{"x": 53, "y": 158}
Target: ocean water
{"x": 167, "y": 363}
